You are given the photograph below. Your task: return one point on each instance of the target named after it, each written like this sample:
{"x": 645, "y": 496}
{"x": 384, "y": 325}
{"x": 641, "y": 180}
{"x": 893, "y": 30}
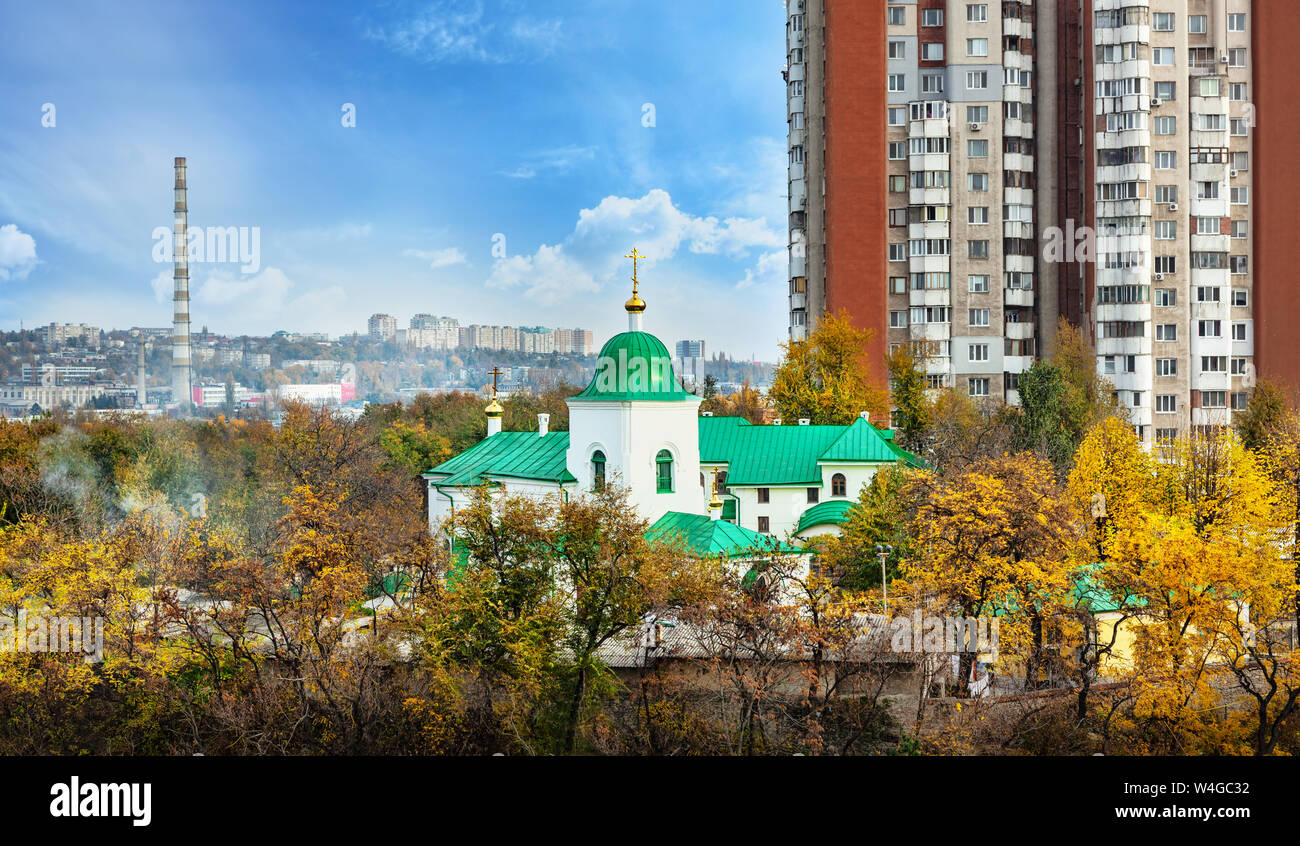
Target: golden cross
{"x": 495, "y": 372}
{"x": 715, "y": 480}
{"x": 634, "y": 255}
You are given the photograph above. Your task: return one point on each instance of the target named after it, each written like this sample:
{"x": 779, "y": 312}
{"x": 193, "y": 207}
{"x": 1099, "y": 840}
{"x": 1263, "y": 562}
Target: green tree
{"x": 1266, "y": 413}
{"x": 907, "y": 390}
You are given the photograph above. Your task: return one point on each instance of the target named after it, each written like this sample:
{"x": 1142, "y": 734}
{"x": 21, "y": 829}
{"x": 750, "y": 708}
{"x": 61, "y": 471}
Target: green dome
{"x": 634, "y": 366}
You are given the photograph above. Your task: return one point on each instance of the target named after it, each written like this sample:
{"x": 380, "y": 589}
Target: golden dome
{"x": 636, "y": 305}
{"x": 715, "y": 502}
{"x": 494, "y": 408}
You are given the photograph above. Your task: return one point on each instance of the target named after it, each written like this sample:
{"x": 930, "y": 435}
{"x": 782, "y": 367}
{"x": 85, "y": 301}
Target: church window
{"x": 839, "y": 486}
{"x": 597, "y": 470}
{"x": 664, "y": 471}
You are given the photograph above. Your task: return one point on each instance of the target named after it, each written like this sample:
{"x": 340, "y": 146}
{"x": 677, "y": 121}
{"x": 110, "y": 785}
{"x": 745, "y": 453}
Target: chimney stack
{"x": 141, "y": 391}
{"x": 543, "y": 424}
{"x": 181, "y": 374}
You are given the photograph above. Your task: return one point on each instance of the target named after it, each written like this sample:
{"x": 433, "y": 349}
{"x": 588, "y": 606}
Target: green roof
{"x": 706, "y": 536}
{"x": 635, "y": 366}
{"x": 833, "y": 512}
{"x": 791, "y": 455}
{"x": 515, "y": 455}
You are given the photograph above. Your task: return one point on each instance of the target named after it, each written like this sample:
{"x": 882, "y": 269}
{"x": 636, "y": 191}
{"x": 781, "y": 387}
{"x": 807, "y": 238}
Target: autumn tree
{"x": 1265, "y": 415}
{"x": 908, "y": 393}
{"x": 824, "y": 377}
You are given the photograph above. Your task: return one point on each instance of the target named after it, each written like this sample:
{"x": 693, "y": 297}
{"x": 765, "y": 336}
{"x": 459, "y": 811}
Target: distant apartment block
{"x": 382, "y": 327}
{"x": 60, "y": 334}
{"x": 690, "y": 349}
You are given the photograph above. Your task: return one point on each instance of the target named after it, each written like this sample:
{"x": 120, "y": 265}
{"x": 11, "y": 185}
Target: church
{"x": 729, "y": 486}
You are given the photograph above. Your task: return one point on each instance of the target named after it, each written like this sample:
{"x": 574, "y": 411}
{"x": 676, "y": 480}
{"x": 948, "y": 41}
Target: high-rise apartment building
{"x": 964, "y": 173}
{"x": 382, "y": 327}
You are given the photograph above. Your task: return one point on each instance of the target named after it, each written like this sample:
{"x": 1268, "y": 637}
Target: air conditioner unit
{"x": 975, "y": 127}
{"x": 1155, "y": 102}
{"x": 1173, "y": 207}
{"x": 1232, "y": 174}
{"x": 1160, "y": 277}
{"x": 1223, "y": 59}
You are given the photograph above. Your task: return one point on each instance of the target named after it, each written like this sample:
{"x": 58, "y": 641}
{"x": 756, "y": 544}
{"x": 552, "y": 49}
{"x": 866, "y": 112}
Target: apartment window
{"x": 898, "y": 49}
{"x": 977, "y": 182}
{"x": 931, "y": 83}
{"x": 1207, "y": 226}
{"x": 1210, "y": 87}
{"x": 897, "y": 151}
{"x": 977, "y": 12}
{"x": 1237, "y": 57}
{"x": 977, "y": 249}
{"x": 977, "y": 46}
{"x": 1237, "y": 92}
{"x": 977, "y": 215}
{"x": 1238, "y": 331}
{"x": 1166, "y": 297}
{"x": 1166, "y": 367}
{"x": 1209, "y": 329}
{"x": 1166, "y": 230}
{"x": 1137, "y": 403}
{"x": 1239, "y": 265}
{"x": 1240, "y": 297}
{"x": 978, "y": 284}
{"x": 1214, "y": 399}
{"x": 1163, "y": 56}
{"x": 1164, "y": 22}
{"x": 1240, "y": 196}
{"x": 897, "y": 115}
{"x": 897, "y": 82}
{"x": 1239, "y": 366}
{"x": 898, "y": 319}
{"x": 796, "y": 154}
{"x": 1166, "y": 264}
{"x": 1166, "y": 125}
{"x": 977, "y": 114}
{"x": 764, "y": 496}
{"x": 764, "y": 525}
{"x": 1166, "y": 160}
{"x": 978, "y": 387}
{"x": 1239, "y": 160}
{"x": 898, "y": 184}
{"x": 1108, "y": 365}
{"x": 1240, "y": 401}
{"x": 1166, "y": 403}
{"x": 979, "y": 317}
{"x": 932, "y": 17}
{"x": 1196, "y": 24}
{"x": 894, "y": 15}
{"x": 1207, "y": 190}
{"x": 1166, "y": 91}
{"x": 932, "y": 51}
{"x": 976, "y": 80}
{"x": 977, "y": 149}
{"x": 1166, "y": 331}
{"x": 898, "y": 284}
{"x": 1236, "y": 23}
{"x": 898, "y": 252}
{"x": 1207, "y": 294}
{"x": 977, "y": 352}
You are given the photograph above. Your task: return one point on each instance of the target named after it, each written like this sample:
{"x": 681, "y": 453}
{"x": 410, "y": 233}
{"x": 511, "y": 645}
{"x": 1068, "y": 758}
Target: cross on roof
{"x": 634, "y": 255}
{"x": 494, "y": 373}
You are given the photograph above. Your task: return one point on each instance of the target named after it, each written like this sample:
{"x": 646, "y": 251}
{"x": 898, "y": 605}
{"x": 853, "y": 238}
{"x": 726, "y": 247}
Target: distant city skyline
{"x": 503, "y": 160}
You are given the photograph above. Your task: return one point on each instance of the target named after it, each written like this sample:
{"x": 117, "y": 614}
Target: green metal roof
{"x": 516, "y": 455}
{"x": 634, "y": 366}
{"x": 790, "y": 455}
{"x": 705, "y": 536}
{"x": 833, "y": 512}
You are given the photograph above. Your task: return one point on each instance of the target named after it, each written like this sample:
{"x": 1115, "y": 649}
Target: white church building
{"x": 636, "y": 424}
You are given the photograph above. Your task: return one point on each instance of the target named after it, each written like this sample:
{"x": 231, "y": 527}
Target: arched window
{"x": 839, "y": 487}
{"x": 664, "y": 471}
{"x": 597, "y": 470}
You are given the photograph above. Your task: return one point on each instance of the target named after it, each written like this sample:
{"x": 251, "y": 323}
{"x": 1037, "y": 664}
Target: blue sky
{"x": 474, "y": 119}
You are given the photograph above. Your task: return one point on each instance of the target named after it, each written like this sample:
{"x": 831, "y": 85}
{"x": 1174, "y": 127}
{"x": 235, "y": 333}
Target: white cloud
{"x": 164, "y": 284}
{"x": 444, "y": 32}
{"x": 594, "y": 252}
{"x": 557, "y": 160}
{"x": 439, "y": 258}
{"x": 17, "y": 253}
{"x": 772, "y": 269}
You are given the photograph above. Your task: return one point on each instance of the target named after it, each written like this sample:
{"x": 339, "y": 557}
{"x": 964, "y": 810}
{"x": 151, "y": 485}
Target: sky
{"x": 505, "y": 156}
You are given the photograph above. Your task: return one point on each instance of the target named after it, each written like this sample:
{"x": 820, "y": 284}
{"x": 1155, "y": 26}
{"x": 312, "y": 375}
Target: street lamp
{"x": 883, "y": 551}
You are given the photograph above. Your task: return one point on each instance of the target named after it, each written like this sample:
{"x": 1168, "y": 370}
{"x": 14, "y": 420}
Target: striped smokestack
{"x": 181, "y": 324}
